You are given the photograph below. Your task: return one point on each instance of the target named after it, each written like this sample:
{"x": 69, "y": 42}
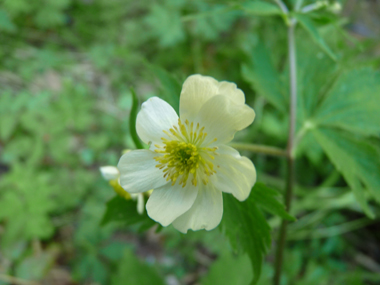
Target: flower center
{"x": 184, "y": 155}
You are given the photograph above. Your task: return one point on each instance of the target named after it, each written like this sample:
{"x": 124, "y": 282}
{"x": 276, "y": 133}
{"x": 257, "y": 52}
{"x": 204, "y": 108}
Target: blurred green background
{"x": 66, "y": 67}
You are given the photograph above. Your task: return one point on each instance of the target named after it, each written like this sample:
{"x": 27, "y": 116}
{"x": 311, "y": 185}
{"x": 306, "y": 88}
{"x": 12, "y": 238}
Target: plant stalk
{"x": 269, "y": 150}
{"x": 289, "y": 151}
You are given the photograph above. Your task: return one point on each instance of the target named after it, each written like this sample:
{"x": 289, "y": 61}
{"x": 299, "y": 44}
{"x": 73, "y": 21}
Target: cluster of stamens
{"x": 184, "y": 154}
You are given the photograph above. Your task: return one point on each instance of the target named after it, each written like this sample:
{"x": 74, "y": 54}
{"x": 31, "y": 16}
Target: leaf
{"x": 358, "y": 161}
{"x": 260, "y": 8}
{"x": 122, "y": 210}
{"x": 353, "y": 103}
{"x": 309, "y": 26}
{"x": 132, "y": 120}
{"x": 266, "y": 198}
{"x": 264, "y": 78}
{"x": 133, "y": 271}
{"x": 245, "y": 226}
{"x": 229, "y": 269}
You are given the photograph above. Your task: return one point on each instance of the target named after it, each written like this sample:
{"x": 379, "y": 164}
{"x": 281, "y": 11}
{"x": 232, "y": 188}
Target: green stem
{"x": 270, "y": 150}
{"x": 290, "y": 148}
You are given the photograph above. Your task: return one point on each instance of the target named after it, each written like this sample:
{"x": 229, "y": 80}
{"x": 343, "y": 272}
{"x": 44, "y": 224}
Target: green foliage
{"x": 229, "y": 269}
{"x": 247, "y": 229}
{"x": 261, "y": 8}
{"x": 65, "y": 71}
{"x": 131, "y": 270}
{"x": 122, "y": 210}
{"x": 310, "y": 27}
{"x": 262, "y": 74}
{"x": 352, "y": 103}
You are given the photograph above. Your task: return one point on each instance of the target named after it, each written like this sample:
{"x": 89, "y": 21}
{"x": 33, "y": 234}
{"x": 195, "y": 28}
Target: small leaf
{"x": 263, "y": 76}
{"x": 133, "y": 271}
{"x": 245, "y": 226}
{"x": 266, "y": 198}
{"x": 122, "y": 210}
{"x": 260, "y": 8}
{"x": 309, "y": 26}
{"x": 132, "y": 120}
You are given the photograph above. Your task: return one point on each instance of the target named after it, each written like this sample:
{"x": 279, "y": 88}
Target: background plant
{"x": 66, "y": 69}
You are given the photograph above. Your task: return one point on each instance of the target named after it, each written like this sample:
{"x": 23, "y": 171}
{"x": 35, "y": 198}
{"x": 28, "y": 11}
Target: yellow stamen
{"x": 184, "y": 156}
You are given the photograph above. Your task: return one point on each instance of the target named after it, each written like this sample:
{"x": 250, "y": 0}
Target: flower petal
{"x": 206, "y": 212}
{"x": 154, "y": 117}
{"x": 168, "y": 202}
{"x": 222, "y": 118}
{"x": 198, "y": 89}
{"x": 109, "y": 172}
{"x": 235, "y": 174}
{"x": 138, "y": 171}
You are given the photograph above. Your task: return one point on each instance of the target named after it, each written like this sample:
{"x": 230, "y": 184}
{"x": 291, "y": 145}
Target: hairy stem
{"x": 289, "y": 151}
{"x": 270, "y": 150}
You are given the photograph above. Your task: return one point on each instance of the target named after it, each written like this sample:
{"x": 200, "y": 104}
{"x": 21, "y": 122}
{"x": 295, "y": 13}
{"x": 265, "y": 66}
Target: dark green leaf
{"x": 133, "y": 271}
{"x": 122, "y": 210}
{"x": 309, "y": 26}
{"x": 267, "y": 199}
{"x": 245, "y": 226}
{"x": 132, "y": 120}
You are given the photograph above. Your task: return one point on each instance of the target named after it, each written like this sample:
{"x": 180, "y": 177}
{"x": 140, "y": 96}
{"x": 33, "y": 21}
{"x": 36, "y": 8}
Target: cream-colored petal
{"x": 109, "y": 172}
{"x": 168, "y": 202}
{"x": 235, "y": 174}
{"x": 231, "y": 91}
{"x": 198, "y": 89}
{"x": 206, "y": 212}
{"x": 138, "y": 171}
{"x": 154, "y": 117}
{"x": 222, "y": 118}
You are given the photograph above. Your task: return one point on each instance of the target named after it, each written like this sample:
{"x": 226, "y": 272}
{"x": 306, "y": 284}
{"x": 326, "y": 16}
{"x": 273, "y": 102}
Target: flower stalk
{"x": 291, "y": 143}
{"x": 264, "y": 149}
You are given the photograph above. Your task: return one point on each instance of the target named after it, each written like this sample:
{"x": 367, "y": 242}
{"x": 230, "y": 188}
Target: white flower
{"x": 112, "y": 174}
{"x": 188, "y": 164}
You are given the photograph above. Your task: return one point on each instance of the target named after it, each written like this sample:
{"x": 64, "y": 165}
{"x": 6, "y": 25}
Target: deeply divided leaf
{"x": 358, "y": 161}
{"x": 353, "y": 103}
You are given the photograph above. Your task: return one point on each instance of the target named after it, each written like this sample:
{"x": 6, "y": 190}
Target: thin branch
{"x": 269, "y": 150}
{"x": 282, "y": 6}
{"x": 290, "y": 150}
